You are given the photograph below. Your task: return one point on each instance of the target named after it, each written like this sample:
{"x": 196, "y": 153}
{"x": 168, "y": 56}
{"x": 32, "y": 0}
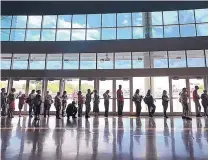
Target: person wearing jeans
{"x": 106, "y": 102}
{"x": 196, "y": 98}
{"x": 137, "y": 100}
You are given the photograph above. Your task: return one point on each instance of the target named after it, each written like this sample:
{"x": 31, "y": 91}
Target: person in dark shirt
{"x": 37, "y": 104}
{"x": 64, "y": 103}
{"x": 165, "y": 100}
{"x": 71, "y": 110}
{"x": 3, "y": 101}
{"x": 204, "y": 98}
{"x": 148, "y": 99}
{"x": 58, "y": 105}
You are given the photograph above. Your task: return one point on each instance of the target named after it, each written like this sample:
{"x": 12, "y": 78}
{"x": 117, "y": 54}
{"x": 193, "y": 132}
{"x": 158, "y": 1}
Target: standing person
{"x": 3, "y": 101}
{"x": 47, "y": 103}
{"x": 64, "y": 103}
{"x": 87, "y": 103}
{"x": 165, "y": 100}
{"x": 184, "y": 102}
{"x": 149, "y": 100}
{"x": 11, "y": 102}
{"x": 106, "y": 102}
{"x": 31, "y": 102}
{"x": 71, "y": 110}
{"x": 204, "y": 98}
{"x": 37, "y": 104}
{"x": 196, "y": 98}
{"x": 80, "y": 103}
{"x": 58, "y": 105}
{"x": 120, "y": 101}
{"x": 96, "y": 102}
{"x": 137, "y": 100}
{"x": 22, "y": 99}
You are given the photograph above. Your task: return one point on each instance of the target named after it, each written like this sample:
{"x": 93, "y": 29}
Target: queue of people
{"x": 35, "y": 101}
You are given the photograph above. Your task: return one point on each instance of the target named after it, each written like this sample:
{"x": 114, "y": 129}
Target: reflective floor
{"x": 104, "y": 138}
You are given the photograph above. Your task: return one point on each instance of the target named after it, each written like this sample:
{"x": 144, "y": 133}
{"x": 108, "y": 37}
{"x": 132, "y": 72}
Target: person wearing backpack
{"x": 37, "y": 104}
{"x": 30, "y": 101}
{"x": 137, "y": 100}
{"x": 58, "y": 105}
{"x": 165, "y": 100}
{"x": 149, "y": 100}
{"x": 47, "y": 103}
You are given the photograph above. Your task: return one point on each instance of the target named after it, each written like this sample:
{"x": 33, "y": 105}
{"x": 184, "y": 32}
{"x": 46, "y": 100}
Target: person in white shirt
{"x": 106, "y": 102}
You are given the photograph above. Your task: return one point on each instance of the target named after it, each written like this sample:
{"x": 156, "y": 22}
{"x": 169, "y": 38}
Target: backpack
{"x": 145, "y": 100}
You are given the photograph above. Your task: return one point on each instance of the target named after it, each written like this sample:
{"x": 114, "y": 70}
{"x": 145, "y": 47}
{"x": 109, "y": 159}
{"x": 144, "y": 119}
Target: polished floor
{"x": 104, "y": 138}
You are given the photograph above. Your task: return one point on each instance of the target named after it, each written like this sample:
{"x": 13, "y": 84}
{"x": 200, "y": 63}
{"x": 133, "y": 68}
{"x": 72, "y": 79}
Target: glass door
{"x": 4, "y": 84}
{"x": 72, "y": 88}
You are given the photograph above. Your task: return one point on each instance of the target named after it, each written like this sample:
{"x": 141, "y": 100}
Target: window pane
{"x": 123, "y": 19}
{"x": 177, "y": 59}
{"x": 156, "y": 32}
{"x": 6, "y": 21}
{"x": 87, "y": 61}
{"x": 93, "y": 34}
{"x": 93, "y": 20}
{"x": 79, "y": 21}
{"x": 72, "y": 88}
{"x": 34, "y": 21}
{"x": 108, "y": 33}
{"x": 123, "y": 60}
{"x": 4, "y": 84}
{"x": 138, "y": 32}
{"x": 37, "y": 61}
{"x": 141, "y": 59}
{"x": 49, "y": 21}
{"x": 202, "y": 29}
{"x": 20, "y": 61}
{"x": 19, "y": 21}
{"x": 171, "y": 31}
{"x": 78, "y": 34}
{"x": 206, "y": 52}
{"x": 71, "y": 61}
{"x": 159, "y": 59}
{"x": 17, "y": 35}
{"x": 137, "y": 19}
{"x": 64, "y": 21}
{"x": 105, "y": 60}
{"x": 5, "y": 34}
{"x": 54, "y": 61}
{"x": 48, "y": 35}
{"x": 157, "y": 18}
{"x": 108, "y": 20}
{"x": 195, "y": 58}
{"x": 33, "y": 35}
{"x": 6, "y": 61}
{"x": 63, "y": 35}
{"x": 186, "y": 16}
{"x": 201, "y": 15}
{"x": 188, "y": 30}
{"x": 170, "y": 17}
{"x": 124, "y": 33}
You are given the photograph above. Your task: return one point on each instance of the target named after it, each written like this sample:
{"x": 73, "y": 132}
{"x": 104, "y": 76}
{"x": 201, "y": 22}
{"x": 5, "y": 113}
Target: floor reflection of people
{"x": 199, "y": 132}
{"x": 206, "y": 130}
{"x": 138, "y": 130}
{"x": 87, "y": 132}
{"x": 95, "y": 138}
{"x": 166, "y": 133}
{"x": 120, "y": 133}
{"x": 79, "y": 135}
{"x": 106, "y": 131}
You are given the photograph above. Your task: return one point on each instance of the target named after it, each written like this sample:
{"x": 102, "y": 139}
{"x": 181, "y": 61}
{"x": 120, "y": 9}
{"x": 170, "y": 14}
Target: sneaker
{"x": 30, "y": 116}
{"x": 58, "y": 117}
{"x": 87, "y": 116}
{"x": 74, "y": 117}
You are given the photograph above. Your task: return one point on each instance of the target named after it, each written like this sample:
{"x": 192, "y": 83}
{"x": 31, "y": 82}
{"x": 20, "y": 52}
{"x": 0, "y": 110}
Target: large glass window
{"x": 4, "y": 84}
{"x": 123, "y": 60}
{"x": 64, "y": 21}
{"x": 48, "y": 35}
{"x": 202, "y": 29}
{"x": 156, "y": 32}
{"x": 137, "y": 19}
{"x": 54, "y": 61}
{"x": 141, "y": 59}
{"x": 19, "y": 21}
{"x": 201, "y": 15}
{"x": 177, "y": 59}
{"x": 6, "y": 61}
{"x": 87, "y": 60}
{"x": 20, "y": 61}
{"x": 93, "y": 34}
{"x": 171, "y": 31}
{"x": 34, "y": 21}
{"x": 109, "y": 20}
{"x": 159, "y": 59}
{"x": 49, "y": 21}
{"x": 138, "y": 32}
{"x": 195, "y": 58}
{"x": 104, "y": 60}
{"x": 188, "y": 30}
{"x": 79, "y": 21}
{"x": 37, "y": 61}
{"x": 33, "y": 35}
{"x": 72, "y": 88}
{"x": 206, "y": 53}
{"x": 71, "y": 61}
{"x": 6, "y": 21}
{"x": 93, "y": 20}
{"x": 78, "y": 34}
{"x": 5, "y": 34}
{"x": 186, "y": 16}
{"x": 124, "y": 33}
{"x": 108, "y": 33}
{"x": 170, "y": 17}
{"x": 123, "y": 19}
{"x": 17, "y": 35}
{"x": 156, "y": 18}
{"x": 63, "y": 35}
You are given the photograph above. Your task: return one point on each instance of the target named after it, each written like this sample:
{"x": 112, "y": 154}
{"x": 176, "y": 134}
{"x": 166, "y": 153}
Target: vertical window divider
{"x": 28, "y": 63}
{"x": 10, "y": 30}
{"x": 195, "y": 22}
{"x": 79, "y": 60}
{"x": 131, "y": 61}
{"x": 116, "y": 28}
{"x": 163, "y": 25}
{"x": 96, "y": 60}
{"x": 62, "y": 61}
{"x": 179, "y": 25}
{"x": 205, "y": 59}
{"x": 26, "y": 28}
{"x": 41, "y": 28}
{"x": 186, "y": 59}
{"x": 114, "y": 60}
{"x": 71, "y": 27}
{"x": 101, "y": 26}
{"x": 56, "y": 27}
{"x": 12, "y": 61}
{"x": 131, "y": 26}
{"x": 168, "y": 59}
{"x": 150, "y": 60}
{"x": 46, "y": 59}
{"x": 86, "y": 27}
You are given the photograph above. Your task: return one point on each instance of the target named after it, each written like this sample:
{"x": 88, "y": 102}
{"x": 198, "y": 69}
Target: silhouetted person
{"x": 80, "y": 103}
{"x": 31, "y": 102}
{"x": 204, "y": 101}
{"x": 96, "y": 101}
{"x": 184, "y": 102}
{"x": 58, "y": 105}
{"x": 165, "y": 100}
{"x": 120, "y": 101}
{"x": 149, "y": 100}
{"x": 37, "y": 104}
{"x": 47, "y": 103}
{"x": 71, "y": 110}
{"x": 22, "y": 99}
{"x": 11, "y": 101}
{"x": 3, "y": 102}
{"x": 64, "y": 103}
{"x": 106, "y": 102}
{"x": 137, "y": 100}
{"x": 196, "y": 98}
{"x": 87, "y": 103}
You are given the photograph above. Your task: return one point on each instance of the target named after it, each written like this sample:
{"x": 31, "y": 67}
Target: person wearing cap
{"x": 71, "y": 110}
